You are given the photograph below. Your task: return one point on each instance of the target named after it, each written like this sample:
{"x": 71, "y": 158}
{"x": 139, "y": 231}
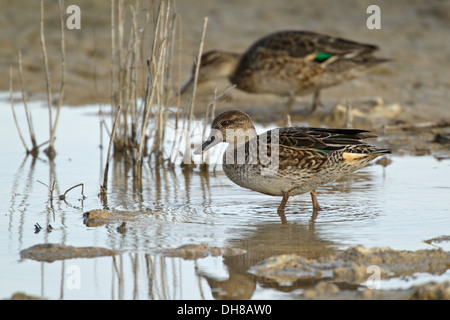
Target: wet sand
{"x": 412, "y": 34}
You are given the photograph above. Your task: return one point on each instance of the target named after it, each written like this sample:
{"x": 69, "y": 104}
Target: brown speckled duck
{"x": 289, "y": 63}
{"x": 287, "y": 161}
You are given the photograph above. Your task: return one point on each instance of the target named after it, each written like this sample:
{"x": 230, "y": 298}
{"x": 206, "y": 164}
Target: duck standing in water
{"x": 289, "y": 63}
{"x": 287, "y": 161}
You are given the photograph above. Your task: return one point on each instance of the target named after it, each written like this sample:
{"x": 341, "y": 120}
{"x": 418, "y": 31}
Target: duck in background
{"x": 289, "y": 63}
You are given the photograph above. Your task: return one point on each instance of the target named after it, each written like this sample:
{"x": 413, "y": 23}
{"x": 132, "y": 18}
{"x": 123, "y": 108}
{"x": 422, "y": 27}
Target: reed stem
{"x": 187, "y": 152}
{"x": 50, "y": 150}
{"x": 34, "y": 147}
{"x": 63, "y": 73}
{"x": 104, "y": 187}
{"x": 13, "y": 111}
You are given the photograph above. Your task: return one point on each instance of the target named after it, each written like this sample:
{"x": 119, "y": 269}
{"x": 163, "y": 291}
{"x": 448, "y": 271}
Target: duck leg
{"x": 282, "y": 207}
{"x": 289, "y": 105}
{"x": 316, "y": 206}
{"x": 291, "y": 101}
{"x": 315, "y": 101}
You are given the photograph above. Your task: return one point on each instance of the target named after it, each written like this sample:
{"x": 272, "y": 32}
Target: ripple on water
{"x": 399, "y": 206}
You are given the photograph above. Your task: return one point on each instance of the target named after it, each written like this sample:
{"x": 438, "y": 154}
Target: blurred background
{"x": 414, "y": 34}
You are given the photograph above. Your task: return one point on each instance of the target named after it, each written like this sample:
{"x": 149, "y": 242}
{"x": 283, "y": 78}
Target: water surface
{"x": 398, "y": 206}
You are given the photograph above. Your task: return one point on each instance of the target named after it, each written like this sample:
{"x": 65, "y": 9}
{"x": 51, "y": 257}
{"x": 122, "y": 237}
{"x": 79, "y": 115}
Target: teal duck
{"x": 287, "y": 161}
{"x": 289, "y": 63}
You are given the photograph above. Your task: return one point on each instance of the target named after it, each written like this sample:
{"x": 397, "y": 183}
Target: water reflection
{"x": 177, "y": 196}
{"x": 267, "y": 241}
{"x": 177, "y": 206}
{"x": 138, "y": 275}
{"x": 182, "y": 206}
{"x": 24, "y": 184}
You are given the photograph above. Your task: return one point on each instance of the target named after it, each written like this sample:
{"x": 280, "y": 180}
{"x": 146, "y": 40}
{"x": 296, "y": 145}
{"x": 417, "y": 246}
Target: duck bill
{"x": 186, "y": 87}
{"x": 208, "y": 144}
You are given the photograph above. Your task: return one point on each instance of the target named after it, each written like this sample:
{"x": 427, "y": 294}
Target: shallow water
{"x": 398, "y": 206}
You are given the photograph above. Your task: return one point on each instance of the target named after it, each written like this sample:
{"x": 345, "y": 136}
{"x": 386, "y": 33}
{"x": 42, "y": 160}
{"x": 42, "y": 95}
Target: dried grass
{"x": 143, "y": 122}
{"x": 53, "y": 121}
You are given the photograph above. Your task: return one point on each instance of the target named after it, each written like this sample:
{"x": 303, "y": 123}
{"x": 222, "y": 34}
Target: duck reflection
{"x": 269, "y": 240}
{"x": 274, "y": 238}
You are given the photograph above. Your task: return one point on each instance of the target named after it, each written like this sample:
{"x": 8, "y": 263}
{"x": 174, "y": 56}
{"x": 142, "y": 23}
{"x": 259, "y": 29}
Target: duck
{"x": 289, "y": 63}
{"x": 288, "y": 161}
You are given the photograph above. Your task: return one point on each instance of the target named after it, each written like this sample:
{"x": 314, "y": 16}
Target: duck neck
{"x": 232, "y": 60}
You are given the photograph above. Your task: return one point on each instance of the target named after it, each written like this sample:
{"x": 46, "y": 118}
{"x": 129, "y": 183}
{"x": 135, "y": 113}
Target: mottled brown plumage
{"x": 288, "y": 161}
{"x": 289, "y": 63}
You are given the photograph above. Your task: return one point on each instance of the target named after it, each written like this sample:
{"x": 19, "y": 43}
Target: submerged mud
{"x": 352, "y": 266}
{"x": 49, "y": 252}
{"x": 193, "y": 252}
{"x": 295, "y": 260}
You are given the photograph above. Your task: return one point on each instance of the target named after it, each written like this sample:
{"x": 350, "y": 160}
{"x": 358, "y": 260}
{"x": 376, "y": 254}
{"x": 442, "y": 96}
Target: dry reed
{"x": 142, "y": 124}
{"x": 53, "y": 121}
{"x": 14, "y": 113}
{"x": 104, "y": 187}
{"x": 127, "y": 67}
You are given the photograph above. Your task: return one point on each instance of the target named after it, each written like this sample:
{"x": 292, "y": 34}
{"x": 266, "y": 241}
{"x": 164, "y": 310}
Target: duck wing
{"x": 310, "y": 148}
{"x": 300, "y": 44}
{"x": 320, "y": 139}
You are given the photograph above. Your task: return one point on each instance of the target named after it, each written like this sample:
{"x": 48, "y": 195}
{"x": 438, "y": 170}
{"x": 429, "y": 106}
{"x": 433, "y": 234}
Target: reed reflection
{"x": 185, "y": 205}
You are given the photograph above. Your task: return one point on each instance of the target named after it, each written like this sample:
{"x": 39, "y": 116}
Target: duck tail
{"x": 380, "y": 151}
{"x": 363, "y": 154}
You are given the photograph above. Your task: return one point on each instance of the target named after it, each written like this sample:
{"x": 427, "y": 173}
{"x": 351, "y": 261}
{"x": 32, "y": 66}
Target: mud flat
{"x": 340, "y": 276}
{"x": 50, "y": 252}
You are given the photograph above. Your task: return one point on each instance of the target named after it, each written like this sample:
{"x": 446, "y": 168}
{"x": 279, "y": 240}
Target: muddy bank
{"x": 341, "y": 276}
{"x": 411, "y": 35}
{"x": 404, "y": 100}
{"x": 100, "y": 217}
{"x": 24, "y": 296}
{"x": 52, "y": 252}
{"x": 328, "y": 290}
{"x": 351, "y": 266}
{"x": 193, "y": 252}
